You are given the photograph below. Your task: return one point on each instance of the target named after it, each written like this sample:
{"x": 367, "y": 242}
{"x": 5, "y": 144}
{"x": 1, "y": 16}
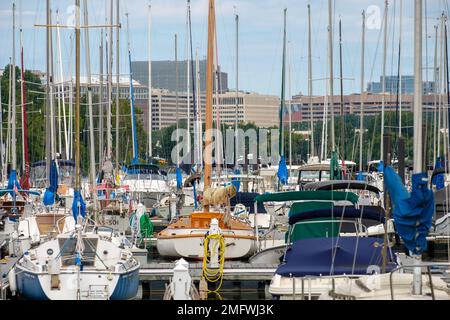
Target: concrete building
{"x": 252, "y": 107}
{"x": 352, "y": 105}
{"x": 164, "y": 75}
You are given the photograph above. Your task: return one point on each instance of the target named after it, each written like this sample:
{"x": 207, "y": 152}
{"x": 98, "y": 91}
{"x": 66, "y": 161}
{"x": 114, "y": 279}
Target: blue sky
{"x": 260, "y": 37}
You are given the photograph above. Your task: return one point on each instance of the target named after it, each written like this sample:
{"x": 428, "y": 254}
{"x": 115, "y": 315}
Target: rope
{"x": 213, "y": 275}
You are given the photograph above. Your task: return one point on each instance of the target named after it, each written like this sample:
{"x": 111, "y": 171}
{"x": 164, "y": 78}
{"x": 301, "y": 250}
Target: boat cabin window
{"x": 68, "y": 253}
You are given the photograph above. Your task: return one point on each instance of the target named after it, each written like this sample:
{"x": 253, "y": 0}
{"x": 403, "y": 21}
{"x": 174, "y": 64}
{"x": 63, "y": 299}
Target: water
{"x": 230, "y": 290}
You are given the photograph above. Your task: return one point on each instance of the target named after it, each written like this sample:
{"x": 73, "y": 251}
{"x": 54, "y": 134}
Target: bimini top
{"x": 341, "y": 185}
{"x": 333, "y": 256}
{"x": 315, "y": 167}
{"x": 300, "y": 212}
{"x": 308, "y": 195}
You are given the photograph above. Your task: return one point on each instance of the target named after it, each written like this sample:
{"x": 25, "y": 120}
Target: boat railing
{"x": 309, "y": 279}
{"x": 427, "y": 265}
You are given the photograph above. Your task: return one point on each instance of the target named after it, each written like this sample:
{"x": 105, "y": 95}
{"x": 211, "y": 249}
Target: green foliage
{"x": 34, "y": 99}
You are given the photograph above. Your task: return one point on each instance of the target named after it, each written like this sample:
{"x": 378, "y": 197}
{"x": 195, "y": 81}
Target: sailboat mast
{"x": 199, "y": 111}
{"x": 52, "y": 108}
{"x": 91, "y": 117}
{"x": 194, "y": 84}
{"x": 341, "y": 80}
{"x": 2, "y": 155}
{"x": 417, "y": 116}
{"x": 150, "y": 154}
{"x": 100, "y": 105}
{"x": 209, "y": 97}
{"x": 110, "y": 64}
{"x": 117, "y": 82}
{"x": 310, "y": 88}
{"x": 361, "y": 114}
{"x": 435, "y": 75}
{"x": 61, "y": 89}
{"x": 383, "y": 94}
{"x": 133, "y": 120}
{"x": 77, "y": 98}
{"x": 188, "y": 98}
{"x": 331, "y": 80}
{"x": 176, "y": 92}
{"x": 26, "y": 161}
{"x": 283, "y": 70}
{"x": 399, "y": 89}
{"x": 236, "y": 140}
{"x": 49, "y": 97}
{"x": 13, "y": 94}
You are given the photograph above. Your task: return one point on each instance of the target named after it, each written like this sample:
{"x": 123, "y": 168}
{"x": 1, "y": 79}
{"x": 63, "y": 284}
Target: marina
{"x": 128, "y": 178}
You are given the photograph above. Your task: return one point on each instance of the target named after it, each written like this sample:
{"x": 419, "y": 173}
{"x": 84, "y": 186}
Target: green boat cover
{"x": 308, "y": 206}
{"x": 335, "y": 172}
{"x": 308, "y": 195}
{"x": 326, "y": 228}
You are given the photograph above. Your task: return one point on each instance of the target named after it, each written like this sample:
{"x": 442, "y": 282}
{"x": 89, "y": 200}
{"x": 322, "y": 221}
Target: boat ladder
{"x": 97, "y": 292}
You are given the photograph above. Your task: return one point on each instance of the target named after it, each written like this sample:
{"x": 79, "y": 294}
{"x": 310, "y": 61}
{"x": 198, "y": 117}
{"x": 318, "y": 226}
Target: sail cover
{"x": 283, "y": 173}
{"x": 438, "y": 180}
{"x": 335, "y": 172}
{"x": 412, "y": 212}
{"x": 50, "y": 191}
{"x": 78, "y": 201}
{"x": 179, "y": 178}
{"x": 13, "y": 184}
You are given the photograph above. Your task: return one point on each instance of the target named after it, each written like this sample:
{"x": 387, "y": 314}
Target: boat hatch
{"x": 68, "y": 253}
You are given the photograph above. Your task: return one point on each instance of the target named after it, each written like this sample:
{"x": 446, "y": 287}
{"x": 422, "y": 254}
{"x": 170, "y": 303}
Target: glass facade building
{"x": 392, "y": 83}
{"x": 164, "y": 75}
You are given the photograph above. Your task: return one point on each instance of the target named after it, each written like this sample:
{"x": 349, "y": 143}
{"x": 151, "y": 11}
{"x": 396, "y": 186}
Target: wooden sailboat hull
{"x": 185, "y": 237}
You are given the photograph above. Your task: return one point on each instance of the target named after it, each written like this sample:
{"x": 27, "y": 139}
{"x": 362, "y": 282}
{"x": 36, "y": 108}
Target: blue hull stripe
{"x": 127, "y": 286}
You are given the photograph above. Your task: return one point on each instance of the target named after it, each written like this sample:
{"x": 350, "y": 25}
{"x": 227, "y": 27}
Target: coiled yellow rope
{"x": 213, "y": 275}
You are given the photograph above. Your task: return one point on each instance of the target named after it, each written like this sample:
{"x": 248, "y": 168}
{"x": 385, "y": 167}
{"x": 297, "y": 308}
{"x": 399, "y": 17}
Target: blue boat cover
{"x": 360, "y": 176}
{"x": 413, "y": 212}
{"x": 438, "y": 180}
{"x": 179, "y": 178}
{"x": 50, "y": 191}
{"x": 248, "y": 200}
{"x": 78, "y": 199}
{"x": 380, "y": 167}
{"x": 341, "y": 212}
{"x": 283, "y": 173}
{"x": 314, "y": 256}
{"x": 235, "y": 181}
{"x": 12, "y": 181}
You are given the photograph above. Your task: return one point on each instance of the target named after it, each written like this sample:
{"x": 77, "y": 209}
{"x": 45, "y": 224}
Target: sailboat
{"x": 81, "y": 263}
{"x": 184, "y": 236}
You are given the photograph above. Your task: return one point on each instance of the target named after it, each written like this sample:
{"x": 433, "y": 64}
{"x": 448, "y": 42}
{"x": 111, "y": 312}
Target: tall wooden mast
{"x": 209, "y": 95}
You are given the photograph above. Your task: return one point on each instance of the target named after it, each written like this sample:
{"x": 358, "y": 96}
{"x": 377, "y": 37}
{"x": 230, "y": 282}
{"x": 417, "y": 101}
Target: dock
{"x": 233, "y": 271}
